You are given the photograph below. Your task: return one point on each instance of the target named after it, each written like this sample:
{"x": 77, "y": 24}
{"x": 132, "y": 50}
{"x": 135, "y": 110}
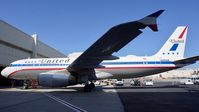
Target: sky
{"x": 73, "y": 25}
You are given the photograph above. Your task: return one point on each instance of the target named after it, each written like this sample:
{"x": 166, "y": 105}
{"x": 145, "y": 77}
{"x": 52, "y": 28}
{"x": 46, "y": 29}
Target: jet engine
{"x": 56, "y": 80}
{"x": 103, "y": 75}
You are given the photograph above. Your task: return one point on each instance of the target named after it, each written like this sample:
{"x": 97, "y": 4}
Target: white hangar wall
{"x": 15, "y": 45}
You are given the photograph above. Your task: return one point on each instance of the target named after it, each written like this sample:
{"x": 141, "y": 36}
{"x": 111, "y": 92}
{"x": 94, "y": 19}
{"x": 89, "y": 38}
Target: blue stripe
{"x": 103, "y": 63}
{"x": 174, "y": 47}
{"x": 146, "y": 62}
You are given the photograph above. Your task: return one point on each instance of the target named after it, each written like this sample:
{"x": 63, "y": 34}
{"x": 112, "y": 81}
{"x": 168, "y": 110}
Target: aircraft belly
{"x": 133, "y": 72}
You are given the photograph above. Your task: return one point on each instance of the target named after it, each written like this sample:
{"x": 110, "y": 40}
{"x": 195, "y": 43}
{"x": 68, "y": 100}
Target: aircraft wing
{"x": 112, "y": 41}
{"x": 190, "y": 60}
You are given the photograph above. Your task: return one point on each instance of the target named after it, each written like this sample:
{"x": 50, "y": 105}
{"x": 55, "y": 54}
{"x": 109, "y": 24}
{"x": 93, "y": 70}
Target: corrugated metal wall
{"x": 15, "y": 45}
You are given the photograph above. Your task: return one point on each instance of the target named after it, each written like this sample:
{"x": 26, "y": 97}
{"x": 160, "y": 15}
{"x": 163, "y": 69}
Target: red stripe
{"x": 11, "y": 74}
{"x": 181, "y": 35}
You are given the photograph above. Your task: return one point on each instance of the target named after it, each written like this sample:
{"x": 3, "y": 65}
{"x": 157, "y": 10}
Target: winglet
{"x": 156, "y": 14}
{"x": 150, "y": 20}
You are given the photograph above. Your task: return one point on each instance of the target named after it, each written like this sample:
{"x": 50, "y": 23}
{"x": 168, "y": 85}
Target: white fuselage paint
{"x": 124, "y": 67}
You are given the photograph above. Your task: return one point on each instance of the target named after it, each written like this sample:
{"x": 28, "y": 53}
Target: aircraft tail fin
{"x": 151, "y": 20}
{"x": 174, "y": 47}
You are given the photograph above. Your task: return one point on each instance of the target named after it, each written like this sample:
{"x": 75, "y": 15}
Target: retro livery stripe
{"x": 174, "y": 47}
{"x": 106, "y": 68}
{"x": 181, "y": 35}
{"x": 103, "y": 63}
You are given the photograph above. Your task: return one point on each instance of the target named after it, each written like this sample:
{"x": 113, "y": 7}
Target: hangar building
{"x": 15, "y": 45}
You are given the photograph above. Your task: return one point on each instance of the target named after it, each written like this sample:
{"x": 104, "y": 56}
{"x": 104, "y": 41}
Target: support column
{"x": 34, "y": 46}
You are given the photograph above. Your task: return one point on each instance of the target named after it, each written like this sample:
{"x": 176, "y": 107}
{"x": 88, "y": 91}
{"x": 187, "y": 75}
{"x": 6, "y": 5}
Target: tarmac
{"x": 71, "y": 99}
{"x": 158, "y": 98}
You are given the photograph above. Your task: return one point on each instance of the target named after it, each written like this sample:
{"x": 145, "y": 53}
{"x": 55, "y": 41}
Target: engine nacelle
{"x": 56, "y": 80}
{"x": 103, "y": 75}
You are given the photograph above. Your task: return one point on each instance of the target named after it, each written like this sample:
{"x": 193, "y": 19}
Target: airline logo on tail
{"x": 174, "y": 47}
{"x": 177, "y": 41}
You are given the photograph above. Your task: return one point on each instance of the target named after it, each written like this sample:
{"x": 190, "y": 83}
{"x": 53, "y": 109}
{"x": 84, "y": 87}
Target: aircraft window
{"x": 163, "y": 53}
{"x": 168, "y": 52}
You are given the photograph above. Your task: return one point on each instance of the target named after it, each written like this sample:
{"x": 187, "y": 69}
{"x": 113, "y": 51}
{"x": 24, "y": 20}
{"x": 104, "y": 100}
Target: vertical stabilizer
{"x": 174, "y": 47}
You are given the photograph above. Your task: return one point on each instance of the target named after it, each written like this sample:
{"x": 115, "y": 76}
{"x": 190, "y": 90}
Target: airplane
{"x": 97, "y": 62}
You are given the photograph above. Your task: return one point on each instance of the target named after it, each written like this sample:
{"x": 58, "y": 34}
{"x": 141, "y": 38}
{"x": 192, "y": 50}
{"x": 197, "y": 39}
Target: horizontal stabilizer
{"x": 187, "y": 60}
